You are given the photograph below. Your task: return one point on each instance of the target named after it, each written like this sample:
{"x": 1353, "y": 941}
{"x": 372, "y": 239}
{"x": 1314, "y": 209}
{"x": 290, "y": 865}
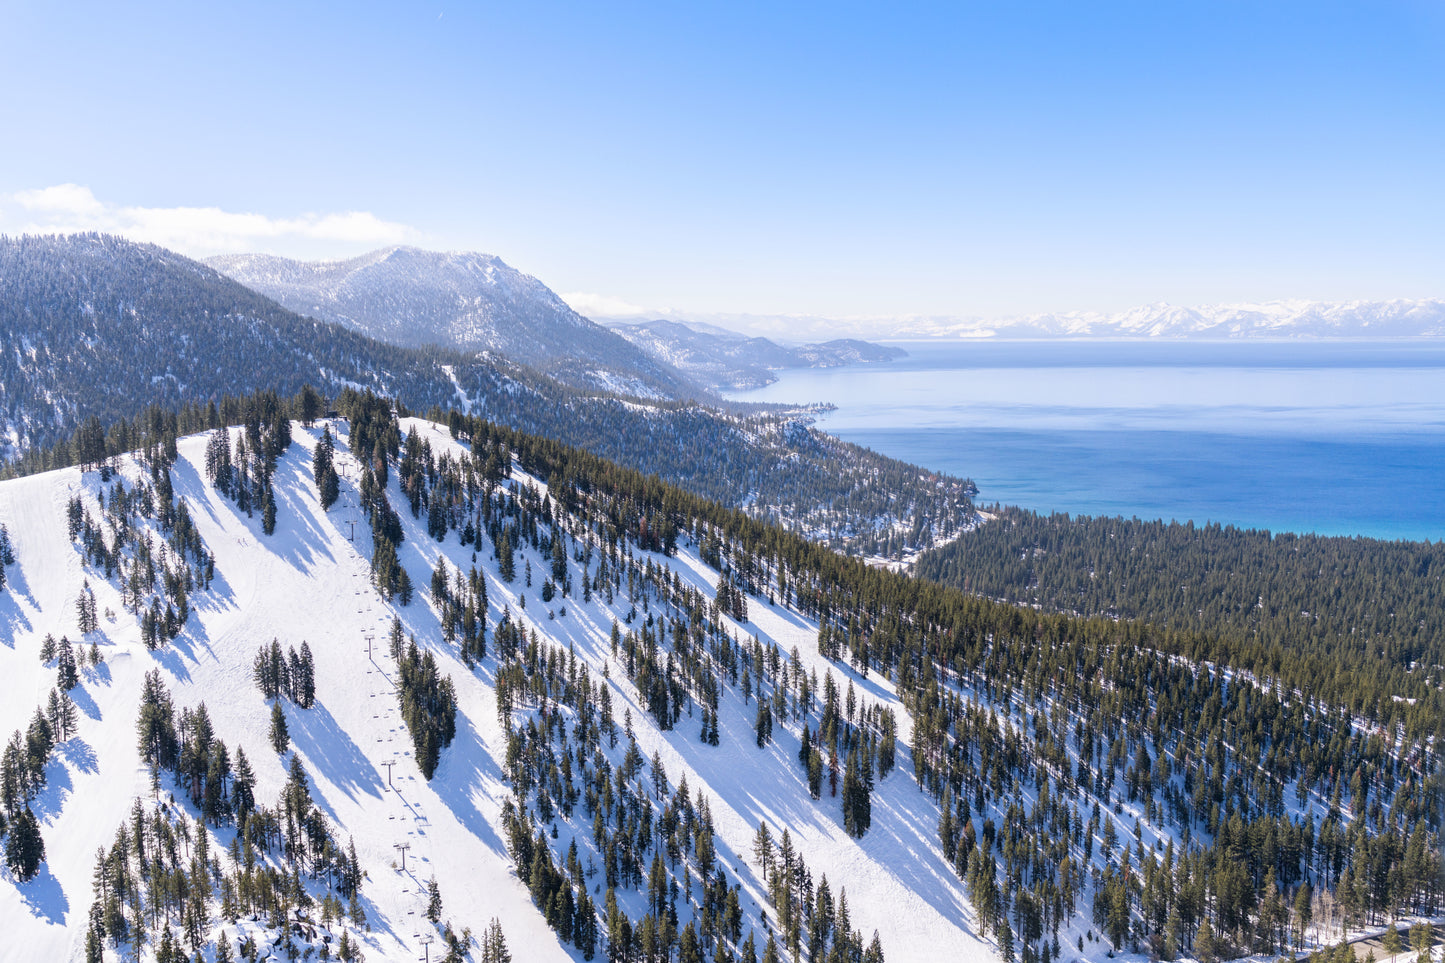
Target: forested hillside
{"x": 93, "y": 329}
{"x": 1357, "y": 598}
{"x": 1069, "y": 787}
{"x": 93, "y": 326}
{"x": 476, "y": 699}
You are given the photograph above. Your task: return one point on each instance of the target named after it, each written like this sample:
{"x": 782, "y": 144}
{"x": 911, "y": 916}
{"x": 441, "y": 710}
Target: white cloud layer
{"x": 593, "y": 305}
{"x": 196, "y": 231}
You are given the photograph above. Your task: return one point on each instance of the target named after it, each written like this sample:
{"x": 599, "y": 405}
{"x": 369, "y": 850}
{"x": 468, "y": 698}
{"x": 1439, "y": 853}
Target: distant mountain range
{"x": 724, "y": 359}
{"x": 466, "y": 301}
{"x": 1274, "y": 320}
{"x": 1271, "y": 319}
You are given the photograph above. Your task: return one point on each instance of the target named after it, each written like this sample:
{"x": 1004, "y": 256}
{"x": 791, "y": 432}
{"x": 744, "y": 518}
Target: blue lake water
{"x": 1335, "y": 438}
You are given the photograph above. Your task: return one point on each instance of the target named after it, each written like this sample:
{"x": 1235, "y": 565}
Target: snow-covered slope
{"x": 465, "y": 300}
{"x": 310, "y": 581}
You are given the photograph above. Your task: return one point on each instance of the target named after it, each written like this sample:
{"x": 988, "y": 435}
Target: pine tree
{"x": 328, "y": 486}
{"x": 268, "y": 510}
{"x": 1204, "y": 950}
{"x": 857, "y": 801}
{"x": 24, "y": 848}
{"x": 763, "y": 850}
{"x": 306, "y": 684}
{"x": 309, "y": 405}
{"x": 280, "y": 737}
{"x": 66, "y": 675}
{"x": 85, "y": 609}
{"x": 433, "y": 900}
{"x": 494, "y": 944}
{"x": 1170, "y": 949}
{"x": 688, "y": 948}
{"x": 95, "y": 947}
{"x": 763, "y": 724}
{"x": 506, "y": 561}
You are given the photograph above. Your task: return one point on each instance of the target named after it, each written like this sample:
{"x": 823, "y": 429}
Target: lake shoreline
{"x": 1334, "y": 439}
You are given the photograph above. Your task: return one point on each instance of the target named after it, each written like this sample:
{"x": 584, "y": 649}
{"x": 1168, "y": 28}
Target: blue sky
{"x": 838, "y": 160}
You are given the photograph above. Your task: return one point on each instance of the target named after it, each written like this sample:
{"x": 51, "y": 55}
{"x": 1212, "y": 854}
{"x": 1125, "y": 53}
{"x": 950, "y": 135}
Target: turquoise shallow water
{"x": 1335, "y": 438}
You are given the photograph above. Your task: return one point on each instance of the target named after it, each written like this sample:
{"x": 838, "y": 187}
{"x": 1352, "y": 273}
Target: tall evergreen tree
{"x": 24, "y": 849}
{"x": 66, "y": 675}
{"x": 280, "y": 737}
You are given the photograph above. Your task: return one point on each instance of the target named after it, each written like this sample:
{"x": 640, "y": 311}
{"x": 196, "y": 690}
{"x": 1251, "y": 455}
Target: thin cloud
{"x": 198, "y": 231}
{"x": 592, "y": 305}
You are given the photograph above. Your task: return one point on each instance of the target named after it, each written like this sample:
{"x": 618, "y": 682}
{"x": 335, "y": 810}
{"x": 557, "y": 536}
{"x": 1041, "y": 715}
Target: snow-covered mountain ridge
{"x": 1400, "y": 318}
{"x": 463, "y": 300}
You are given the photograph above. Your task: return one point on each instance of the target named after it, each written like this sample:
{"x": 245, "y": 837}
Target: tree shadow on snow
{"x": 219, "y": 597}
{"x": 58, "y": 787}
{"x": 467, "y": 769}
{"x": 171, "y": 659}
{"x": 192, "y": 638}
{"x": 13, "y": 619}
{"x": 332, "y": 752}
{"x": 17, "y": 585}
{"x": 98, "y": 673}
{"x": 780, "y": 612}
{"x": 44, "y": 897}
{"x": 906, "y": 821}
{"x": 783, "y": 801}
{"x": 77, "y": 753}
{"x": 85, "y": 703}
{"x": 298, "y": 540}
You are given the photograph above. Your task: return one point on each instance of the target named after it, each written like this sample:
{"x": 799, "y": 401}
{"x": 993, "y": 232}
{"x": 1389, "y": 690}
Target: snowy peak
{"x": 458, "y": 299}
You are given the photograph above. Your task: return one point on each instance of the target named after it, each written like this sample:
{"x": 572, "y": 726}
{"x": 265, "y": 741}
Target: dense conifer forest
{"x": 1359, "y": 598}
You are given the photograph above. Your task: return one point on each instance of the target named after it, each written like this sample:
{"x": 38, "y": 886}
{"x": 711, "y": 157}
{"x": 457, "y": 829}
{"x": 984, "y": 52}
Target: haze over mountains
{"x": 724, "y": 359}
{"x": 1274, "y": 320}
